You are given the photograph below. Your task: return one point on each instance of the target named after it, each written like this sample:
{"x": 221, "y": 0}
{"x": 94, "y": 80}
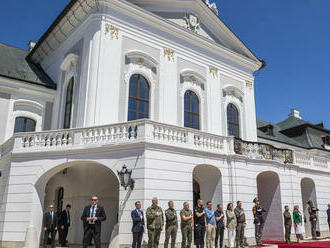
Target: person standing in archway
{"x": 259, "y": 221}
{"x": 241, "y": 223}
{"x": 199, "y": 220}
{"x": 65, "y": 222}
{"x": 92, "y": 217}
{"x": 50, "y": 226}
{"x": 186, "y": 225}
{"x": 155, "y": 223}
{"x": 138, "y": 225}
{"x": 287, "y": 224}
{"x": 171, "y": 225}
{"x": 312, "y": 217}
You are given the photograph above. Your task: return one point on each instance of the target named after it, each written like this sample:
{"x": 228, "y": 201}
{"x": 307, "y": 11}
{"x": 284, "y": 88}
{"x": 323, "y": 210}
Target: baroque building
{"x": 162, "y": 87}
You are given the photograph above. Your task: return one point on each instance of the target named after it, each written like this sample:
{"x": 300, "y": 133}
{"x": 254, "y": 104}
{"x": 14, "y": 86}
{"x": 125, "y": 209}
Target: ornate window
{"x": 191, "y": 110}
{"x": 138, "y": 100}
{"x": 24, "y": 124}
{"x": 232, "y": 120}
{"x": 68, "y": 104}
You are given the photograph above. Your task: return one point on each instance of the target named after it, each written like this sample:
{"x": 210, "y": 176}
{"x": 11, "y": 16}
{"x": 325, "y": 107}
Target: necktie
{"x": 51, "y": 214}
{"x": 92, "y": 214}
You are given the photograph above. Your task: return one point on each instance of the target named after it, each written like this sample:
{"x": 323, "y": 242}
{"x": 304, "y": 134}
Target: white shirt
{"x": 92, "y": 214}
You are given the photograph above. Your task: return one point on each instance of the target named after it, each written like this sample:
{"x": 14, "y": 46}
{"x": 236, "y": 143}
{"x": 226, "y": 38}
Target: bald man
{"x": 50, "y": 226}
{"x": 155, "y": 223}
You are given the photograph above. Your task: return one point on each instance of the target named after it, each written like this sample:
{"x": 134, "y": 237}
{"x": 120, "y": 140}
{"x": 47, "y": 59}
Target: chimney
{"x": 295, "y": 113}
{"x": 32, "y": 44}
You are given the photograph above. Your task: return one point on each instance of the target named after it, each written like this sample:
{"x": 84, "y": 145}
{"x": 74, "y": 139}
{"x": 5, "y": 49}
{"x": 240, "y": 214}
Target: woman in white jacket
{"x": 231, "y": 225}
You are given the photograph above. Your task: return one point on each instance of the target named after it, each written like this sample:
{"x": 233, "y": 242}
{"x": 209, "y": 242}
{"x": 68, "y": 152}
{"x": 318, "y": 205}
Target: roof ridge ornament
{"x": 212, "y": 6}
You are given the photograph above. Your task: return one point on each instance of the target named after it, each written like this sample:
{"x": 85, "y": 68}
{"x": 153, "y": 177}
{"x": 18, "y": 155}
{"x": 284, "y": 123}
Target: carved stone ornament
{"x": 249, "y": 84}
{"x": 169, "y": 53}
{"x": 232, "y": 93}
{"x": 214, "y": 71}
{"x": 114, "y": 31}
{"x": 192, "y": 22}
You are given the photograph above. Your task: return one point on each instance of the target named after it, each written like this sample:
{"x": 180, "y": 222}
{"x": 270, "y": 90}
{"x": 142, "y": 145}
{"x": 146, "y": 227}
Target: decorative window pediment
{"x": 233, "y": 92}
{"x": 192, "y": 78}
{"x": 142, "y": 60}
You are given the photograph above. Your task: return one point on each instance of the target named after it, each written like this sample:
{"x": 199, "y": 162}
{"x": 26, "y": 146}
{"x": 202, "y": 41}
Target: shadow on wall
{"x": 269, "y": 194}
{"x": 207, "y": 183}
{"x": 308, "y": 192}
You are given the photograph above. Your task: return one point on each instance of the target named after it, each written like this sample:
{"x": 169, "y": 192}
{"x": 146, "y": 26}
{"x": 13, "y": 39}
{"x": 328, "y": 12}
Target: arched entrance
{"x": 308, "y": 192}
{"x": 207, "y": 184}
{"x": 75, "y": 183}
{"x": 269, "y": 194}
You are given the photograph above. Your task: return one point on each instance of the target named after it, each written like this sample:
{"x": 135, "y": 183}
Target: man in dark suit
{"x": 92, "y": 217}
{"x": 138, "y": 225}
{"x": 65, "y": 222}
{"x": 50, "y": 226}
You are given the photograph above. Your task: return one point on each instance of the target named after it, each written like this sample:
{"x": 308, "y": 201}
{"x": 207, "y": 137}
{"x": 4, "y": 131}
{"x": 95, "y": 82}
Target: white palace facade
{"x": 163, "y": 87}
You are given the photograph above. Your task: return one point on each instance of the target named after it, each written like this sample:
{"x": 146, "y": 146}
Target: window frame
{"x": 231, "y": 123}
{"x": 137, "y": 98}
{"x": 25, "y": 124}
{"x": 71, "y": 82}
{"x": 190, "y": 112}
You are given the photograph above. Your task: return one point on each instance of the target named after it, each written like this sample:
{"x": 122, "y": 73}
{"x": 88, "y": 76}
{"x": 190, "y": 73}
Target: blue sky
{"x": 292, "y": 36}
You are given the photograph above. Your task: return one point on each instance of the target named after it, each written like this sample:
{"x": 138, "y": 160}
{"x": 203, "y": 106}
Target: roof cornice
{"x": 78, "y": 10}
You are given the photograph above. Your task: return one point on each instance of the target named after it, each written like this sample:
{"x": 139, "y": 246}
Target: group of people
{"x": 204, "y": 223}
{"x": 298, "y": 221}
{"x": 93, "y": 215}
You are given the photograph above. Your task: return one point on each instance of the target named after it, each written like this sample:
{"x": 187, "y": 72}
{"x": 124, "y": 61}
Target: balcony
{"x": 147, "y": 131}
{"x": 118, "y": 134}
{"x": 256, "y": 150}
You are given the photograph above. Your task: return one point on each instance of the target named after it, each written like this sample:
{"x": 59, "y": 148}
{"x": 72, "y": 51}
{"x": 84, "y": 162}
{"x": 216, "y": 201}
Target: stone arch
{"x": 80, "y": 180}
{"x": 308, "y": 192}
{"x": 269, "y": 194}
{"x": 207, "y": 184}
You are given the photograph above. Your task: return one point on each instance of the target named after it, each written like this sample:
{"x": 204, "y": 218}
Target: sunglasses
{"x": 94, "y": 199}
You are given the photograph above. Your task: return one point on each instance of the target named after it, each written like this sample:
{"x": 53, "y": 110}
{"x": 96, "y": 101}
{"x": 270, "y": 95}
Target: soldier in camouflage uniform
{"x": 155, "y": 223}
{"x": 186, "y": 225}
{"x": 171, "y": 225}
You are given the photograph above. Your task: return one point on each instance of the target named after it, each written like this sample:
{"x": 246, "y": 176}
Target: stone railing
{"x": 257, "y": 150}
{"x": 123, "y": 133}
{"x": 310, "y": 160}
{"x": 156, "y": 133}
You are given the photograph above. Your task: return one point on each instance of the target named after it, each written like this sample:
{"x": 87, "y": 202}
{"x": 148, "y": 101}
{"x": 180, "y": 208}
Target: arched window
{"x": 138, "y": 100}
{"x": 24, "y": 124}
{"x": 68, "y": 104}
{"x": 191, "y": 110}
{"x": 232, "y": 120}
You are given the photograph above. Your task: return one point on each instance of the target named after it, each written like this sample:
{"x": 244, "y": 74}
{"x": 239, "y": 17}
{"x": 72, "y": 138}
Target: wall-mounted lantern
{"x": 125, "y": 178}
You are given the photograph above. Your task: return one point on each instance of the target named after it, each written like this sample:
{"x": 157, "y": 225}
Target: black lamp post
{"x": 125, "y": 178}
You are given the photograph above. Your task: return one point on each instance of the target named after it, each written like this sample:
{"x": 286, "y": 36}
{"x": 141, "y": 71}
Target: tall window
{"x": 191, "y": 110}
{"x": 23, "y": 124}
{"x": 138, "y": 100}
{"x": 68, "y": 104}
{"x": 232, "y": 120}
